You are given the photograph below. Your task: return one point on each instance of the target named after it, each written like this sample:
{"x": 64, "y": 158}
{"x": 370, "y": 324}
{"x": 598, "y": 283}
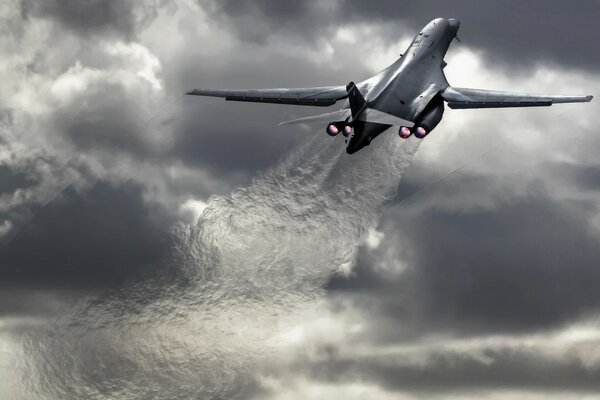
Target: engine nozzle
{"x": 332, "y": 130}
{"x": 347, "y": 130}
{"x": 404, "y": 132}
{"x": 420, "y": 132}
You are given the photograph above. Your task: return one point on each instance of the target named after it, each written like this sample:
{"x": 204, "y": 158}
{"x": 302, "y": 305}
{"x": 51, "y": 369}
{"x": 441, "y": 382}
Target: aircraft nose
{"x": 454, "y": 22}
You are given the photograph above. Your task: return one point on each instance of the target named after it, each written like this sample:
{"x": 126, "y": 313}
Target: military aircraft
{"x": 409, "y": 94}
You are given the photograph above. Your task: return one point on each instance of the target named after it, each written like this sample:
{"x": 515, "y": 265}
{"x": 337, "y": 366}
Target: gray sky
{"x": 465, "y": 266}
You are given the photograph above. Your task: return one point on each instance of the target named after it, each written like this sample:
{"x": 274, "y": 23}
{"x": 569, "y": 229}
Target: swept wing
{"x": 459, "y": 98}
{"x": 316, "y": 96}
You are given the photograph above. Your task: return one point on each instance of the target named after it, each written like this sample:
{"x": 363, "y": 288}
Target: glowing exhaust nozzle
{"x": 420, "y": 132}
{"x": 404, "y": 132}
{"x": 347, "y": 130}
{"x": 332, "y": 130}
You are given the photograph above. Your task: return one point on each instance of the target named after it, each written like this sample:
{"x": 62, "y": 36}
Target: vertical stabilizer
{"x": 357, "y": 102}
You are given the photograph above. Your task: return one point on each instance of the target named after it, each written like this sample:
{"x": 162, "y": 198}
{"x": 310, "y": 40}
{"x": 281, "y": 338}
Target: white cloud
{"x": 192, "y": 209}
{"x": 5, "y": 227}
{"x": 300, "y": 388}
{"x": 373, "y": 238}
{"x": 145, "y": 64}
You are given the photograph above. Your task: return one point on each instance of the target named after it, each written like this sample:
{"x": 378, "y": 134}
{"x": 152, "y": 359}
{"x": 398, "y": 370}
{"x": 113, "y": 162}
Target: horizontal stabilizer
{"x": 379, "y": 117}
{"x": 339, "y": 115}
{"x": 368, "y": 115}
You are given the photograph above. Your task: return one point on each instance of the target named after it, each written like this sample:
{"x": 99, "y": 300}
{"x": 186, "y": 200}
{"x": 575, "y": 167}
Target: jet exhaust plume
{"x": 255, "y": 255}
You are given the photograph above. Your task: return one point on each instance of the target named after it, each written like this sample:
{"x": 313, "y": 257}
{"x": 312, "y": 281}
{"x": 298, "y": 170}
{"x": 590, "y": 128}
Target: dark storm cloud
{"x": 89, "y": 17}
{"x": 587, "y": 177}
{"x": 526, "y": 264}
{"x": 255, "y": 21}
{"x": 97, "y": 238}
{"x": 513, "y": 33}
{"x": 532, "y": 264}
{"x": 457, "y": 371}
{"x": 105, "y": 119}
{"x": 245, "y": 144}
{"x": 12, "y": 180}
{"x": 36, "y": 301}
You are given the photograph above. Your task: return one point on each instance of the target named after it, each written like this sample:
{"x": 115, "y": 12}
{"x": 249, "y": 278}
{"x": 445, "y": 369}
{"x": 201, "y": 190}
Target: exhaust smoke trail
{"x": 253, "y": 256}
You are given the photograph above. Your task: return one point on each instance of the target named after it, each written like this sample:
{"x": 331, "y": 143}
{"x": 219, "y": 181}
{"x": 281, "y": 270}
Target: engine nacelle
{"x": 432, "y": 114}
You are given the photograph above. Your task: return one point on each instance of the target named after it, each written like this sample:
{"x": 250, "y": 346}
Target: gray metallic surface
{"x": 318, "y": 96}
{"x": 477, "y": 98}
{"x": 406, "y": 87}
{"x": 411, "y": 89}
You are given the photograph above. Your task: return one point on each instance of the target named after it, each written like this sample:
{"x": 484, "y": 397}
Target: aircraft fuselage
{"x": 408, "y": 88}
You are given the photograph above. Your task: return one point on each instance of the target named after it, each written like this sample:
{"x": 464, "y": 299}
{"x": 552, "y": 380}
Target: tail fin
{"x": 357, "y": 102}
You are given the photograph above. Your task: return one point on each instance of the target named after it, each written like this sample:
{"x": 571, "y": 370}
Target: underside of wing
{"x": 459, "y": 98}
{"x": 317, "y": 96}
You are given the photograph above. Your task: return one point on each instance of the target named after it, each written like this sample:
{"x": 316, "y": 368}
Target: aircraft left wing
{"x": 317, "y": 96}
{"x": 459, "y": 98}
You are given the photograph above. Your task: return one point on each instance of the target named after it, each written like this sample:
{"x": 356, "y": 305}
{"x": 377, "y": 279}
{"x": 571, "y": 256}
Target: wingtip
{"x": 589, "y": 98}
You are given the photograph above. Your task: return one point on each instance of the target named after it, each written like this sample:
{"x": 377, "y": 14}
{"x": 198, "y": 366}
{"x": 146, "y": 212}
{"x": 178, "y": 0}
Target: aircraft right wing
{"x": 459, "y": 98}
{"x": 317, "y": 96}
